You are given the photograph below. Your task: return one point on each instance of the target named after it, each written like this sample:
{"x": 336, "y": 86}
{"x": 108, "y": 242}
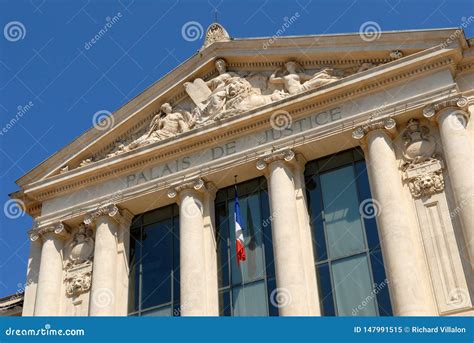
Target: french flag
{"x": 239, "y": 236}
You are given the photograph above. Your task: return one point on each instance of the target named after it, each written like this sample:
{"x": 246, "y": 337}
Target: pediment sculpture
{"x": 167, "y": 123}
{"x": 225, "y": 95}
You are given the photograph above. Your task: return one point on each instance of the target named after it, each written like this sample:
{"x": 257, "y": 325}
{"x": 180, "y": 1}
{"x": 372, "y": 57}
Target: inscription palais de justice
{"x": 229, "y": 148}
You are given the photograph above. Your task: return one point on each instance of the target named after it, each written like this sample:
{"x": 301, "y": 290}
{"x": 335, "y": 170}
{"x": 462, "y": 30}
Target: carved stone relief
{"x": 78, "y": 265}
{"x": 423, "y": 169}
{"x": 226, "y": 94}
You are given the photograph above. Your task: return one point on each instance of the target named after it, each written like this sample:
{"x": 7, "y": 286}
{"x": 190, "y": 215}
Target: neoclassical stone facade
{"x": 235, "y": 108}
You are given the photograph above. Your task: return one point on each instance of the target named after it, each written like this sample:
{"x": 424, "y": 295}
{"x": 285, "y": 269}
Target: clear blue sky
{"x": 67, "y": 83}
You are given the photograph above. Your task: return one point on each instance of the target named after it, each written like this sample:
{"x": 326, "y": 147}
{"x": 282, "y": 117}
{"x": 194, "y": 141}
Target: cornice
{"x": 412, "y": 105}
{"x": 348, "y": 88}
{"x": 411, "y": 41}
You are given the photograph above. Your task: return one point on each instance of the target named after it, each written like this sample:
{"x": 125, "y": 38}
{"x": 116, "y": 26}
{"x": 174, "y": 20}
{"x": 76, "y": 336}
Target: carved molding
{"x": 110, "y": 210}
{"x": 423, "y": 169}
{"x": 387, "y": 124}
{"x": 285, "y": 155}
{"x": 215, "y": 33}
{"x": 58, "y": 229}
{"x": 78, "y": 280}
{"x": 425, "y": 179}
{"x": 43, "y": 195}
{"x": 431, "y": 111}
{"x": 81, "y": 248}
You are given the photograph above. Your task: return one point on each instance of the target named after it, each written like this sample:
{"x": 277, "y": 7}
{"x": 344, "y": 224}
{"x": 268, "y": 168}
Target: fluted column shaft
{"x": 407, "y": 273}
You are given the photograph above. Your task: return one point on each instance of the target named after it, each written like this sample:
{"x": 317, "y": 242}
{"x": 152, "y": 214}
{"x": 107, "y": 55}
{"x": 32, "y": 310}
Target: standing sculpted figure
{"x": 296, "y": 80}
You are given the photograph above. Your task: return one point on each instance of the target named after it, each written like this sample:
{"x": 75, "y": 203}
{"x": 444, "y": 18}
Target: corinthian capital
{"x": 460, "y": 103}
{"x": 284, "y": 155}
{"x": 104, "y": 210}
{"x": 387, "y": 124}
{"x": 58, "y": 229}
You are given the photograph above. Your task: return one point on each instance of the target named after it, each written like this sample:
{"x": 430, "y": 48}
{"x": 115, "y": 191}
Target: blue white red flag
{"x": 239, "y": 235}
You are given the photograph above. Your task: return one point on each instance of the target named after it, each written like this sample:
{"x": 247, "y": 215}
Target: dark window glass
{"x": 244, "y": 287}
{"x": 325, "y": 289}
{"x": 154, "y": 263}
{"x": 380, "y": 284}
{"x": 316, "y": 216}
{"x": 351, "y": 275}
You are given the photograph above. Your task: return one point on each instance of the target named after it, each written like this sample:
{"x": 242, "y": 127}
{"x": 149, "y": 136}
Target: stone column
{"x": 295, "y": 294}
{"x": 104, "y": 271}
{"x": 32, "y": 275}
{"x": 452, "y": 117}
{"x": 48, "y": 293}
{"x": 405, "y": 264}
{"x": 198, "y": 298}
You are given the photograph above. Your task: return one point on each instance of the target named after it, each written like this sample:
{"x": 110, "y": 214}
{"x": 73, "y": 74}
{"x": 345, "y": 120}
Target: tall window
{"x": 245, "y": 290}
{"x": 154, "y": 263}
{"x": 348, "y": 259}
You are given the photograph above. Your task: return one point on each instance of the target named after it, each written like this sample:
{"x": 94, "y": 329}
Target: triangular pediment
{"x": 228, "y": 78}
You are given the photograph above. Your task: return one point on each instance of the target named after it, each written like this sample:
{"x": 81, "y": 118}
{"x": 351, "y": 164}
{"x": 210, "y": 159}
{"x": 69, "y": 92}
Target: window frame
{"x": 349, "y": 158}
{"x": 139, "y": 224}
